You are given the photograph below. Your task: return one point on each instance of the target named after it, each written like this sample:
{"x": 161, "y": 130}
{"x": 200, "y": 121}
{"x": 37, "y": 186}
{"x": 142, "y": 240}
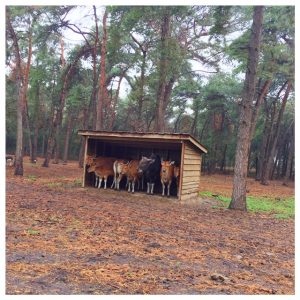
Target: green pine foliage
{"x": 205, "y": 55}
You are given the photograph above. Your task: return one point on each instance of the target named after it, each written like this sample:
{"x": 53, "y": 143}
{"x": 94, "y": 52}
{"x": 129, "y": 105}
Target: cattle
{"x": 93, "y": 160}
{"x": 150, "y": 168}
{"x": 102, "y": 172}
{"x": 166, "y": 175}
{"x": 98, "y": 161}
{"x": 176, "y": 176}
{"x": 117, "y": 167}
{"x": 130, "y": 170}
{"x": 10, "y": 160}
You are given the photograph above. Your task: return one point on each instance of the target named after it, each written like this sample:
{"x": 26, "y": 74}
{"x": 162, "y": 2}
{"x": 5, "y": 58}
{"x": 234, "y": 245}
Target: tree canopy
{"x": 152, "y": 68}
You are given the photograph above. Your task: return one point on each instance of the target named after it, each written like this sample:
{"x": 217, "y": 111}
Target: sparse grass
{"x": 31, "y": 177}
{"x": 54, "y": 184}
{"x": 281, "y": 208}
{"x": 33, "y": 232}
{"x": 76, "y": 183}
{"x": 71, "y": 184}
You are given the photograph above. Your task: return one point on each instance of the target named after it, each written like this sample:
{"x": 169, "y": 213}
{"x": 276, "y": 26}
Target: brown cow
{"x": 93, "y": 160}
{"x": 98, "y": 161}
{"x": 10, "y": 160}
{"x": 166, "y": 175}
{"x": 130, "y": 170}
{"x": 102, "y": 172}
{"x": 117, "y": 167}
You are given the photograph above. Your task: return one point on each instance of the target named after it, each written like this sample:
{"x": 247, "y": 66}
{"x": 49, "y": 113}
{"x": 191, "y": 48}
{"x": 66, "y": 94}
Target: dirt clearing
{"x": 63, "y": 239}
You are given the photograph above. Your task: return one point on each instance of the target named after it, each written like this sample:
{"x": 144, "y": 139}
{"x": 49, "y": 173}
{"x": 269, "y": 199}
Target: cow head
{"x": 91, "y": 169}
{"x": 144, "y": 164}
{"x": 124, "y": 168}
{"x": 167, "y": 166}
{"x": 176, "y": 172}
{"x": 90, "y": 159}
{"x": 9, "y": 162}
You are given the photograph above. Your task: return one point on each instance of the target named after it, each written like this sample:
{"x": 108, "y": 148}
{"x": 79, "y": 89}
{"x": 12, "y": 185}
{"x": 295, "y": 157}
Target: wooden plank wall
{"x": 191, "y": 172}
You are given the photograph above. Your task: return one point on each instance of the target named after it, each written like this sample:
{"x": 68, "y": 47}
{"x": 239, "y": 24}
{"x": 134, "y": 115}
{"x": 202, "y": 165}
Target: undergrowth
{"x": 281, "y": 208}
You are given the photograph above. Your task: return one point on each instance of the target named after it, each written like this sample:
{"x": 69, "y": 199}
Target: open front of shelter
{"x": 183, "y": 149}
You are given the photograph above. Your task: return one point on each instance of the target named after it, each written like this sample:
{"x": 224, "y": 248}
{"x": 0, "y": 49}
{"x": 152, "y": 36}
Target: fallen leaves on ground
{"x": 63, "y": 239}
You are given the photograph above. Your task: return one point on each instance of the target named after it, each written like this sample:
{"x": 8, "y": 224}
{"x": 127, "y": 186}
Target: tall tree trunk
{"x": 102, "y": 95}
{"x": 143, "y": 48}
{"x": 267, "y": 173}
{"x": 238, "y": 200}
{"x": 22, "y": 86}
{"x": 93, "y": 106}
{"x": 67, "y": 138}
{"x": 204, "y": 128}
{"x": 114, "y": 103}
{"x": 223, "y": 163}
{"x": 26, "y": 119}
{"x": 194, "y": 130}
{"x": 50, "y": 141}
{"x": 141, "y": 92}
{"x": 163, "y": 67}
{"x": 290, "y": 158}
{"x": 20, "y": 106}
{"x": 262, "y": 94}
{"x": 82, "y": 143}
{"x": 55, "y": 125}
{"x": 57, "y": 132}
{"x": 36, "y": 124}
{"x": 61, "y": 105}
{"x": 35, "y": 142}
{"x": 43, "y": 143}
{"x": 19, "y": 138}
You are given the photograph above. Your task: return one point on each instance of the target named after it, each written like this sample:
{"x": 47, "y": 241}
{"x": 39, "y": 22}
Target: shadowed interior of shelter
{"x": 134, "y": 150}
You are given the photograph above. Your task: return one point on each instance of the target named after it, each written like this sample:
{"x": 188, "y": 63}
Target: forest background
{"x": 154, "y": 51}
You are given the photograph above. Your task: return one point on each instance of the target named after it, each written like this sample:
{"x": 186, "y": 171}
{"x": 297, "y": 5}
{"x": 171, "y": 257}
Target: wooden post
{"x": 181, "y": 168}
{"x": 84, "y": 160}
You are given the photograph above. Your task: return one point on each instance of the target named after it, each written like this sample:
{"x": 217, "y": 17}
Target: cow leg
{"x": 114, "y": 182}
{"x": 118, "y": 182}
{"x": 120, "y": 178}
{"x": 132, "y": 187}
{"x": 99, "y": 182}
{"x": 96, "y": 180}
{"x": 152, "y": 188}
{"x": 142, "y": 183}
{"x": 129, "y": 187}
{"x": 169, "y": 185}
{"x": 163, "y": 188}
{"x": 105, "y": 181}
{"x": 148, "y": 187}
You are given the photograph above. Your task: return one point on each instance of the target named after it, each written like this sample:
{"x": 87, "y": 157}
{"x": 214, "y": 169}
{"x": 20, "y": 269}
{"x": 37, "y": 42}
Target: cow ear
{"x": 172, "y": 163}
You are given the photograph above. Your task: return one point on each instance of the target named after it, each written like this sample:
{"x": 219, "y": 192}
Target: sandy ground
{"x": 64, "y": 239}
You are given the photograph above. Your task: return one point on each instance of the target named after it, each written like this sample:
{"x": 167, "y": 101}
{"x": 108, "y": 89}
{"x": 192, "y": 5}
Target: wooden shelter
{"x": 184, "y": 149}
